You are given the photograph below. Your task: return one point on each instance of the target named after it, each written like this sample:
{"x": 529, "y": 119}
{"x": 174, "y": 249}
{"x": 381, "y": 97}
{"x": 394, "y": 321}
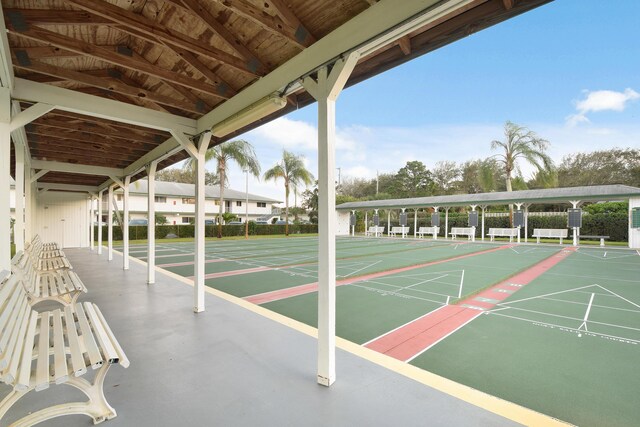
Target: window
{"x": 187, "y": 220}
{"x": 217, "y": 202}
{"x": 227, "y": 204}
{"x": 262, "y": 204}
{"x": 119, "y": 197}
{"x": 161, "y": 199}
{"x": 188, "y": 201}
{"x": 238, "y": 203}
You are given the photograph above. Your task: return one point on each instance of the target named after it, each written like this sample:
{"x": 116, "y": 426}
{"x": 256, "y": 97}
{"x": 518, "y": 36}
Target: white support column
{"x": 151, "y": 222}
{"x": 473, "y": 237}
{"x": 576, "y": 230}
{"x": 110, "y": 223}
{"x": 389, "y": 222}
{"x": 202, "y": 146}
{"x": 375, "y": 213}
{"x": 91, "y": 223}
{"x": 435, "y": 235}
{"x": 526, "y": 221}
{"x": 415, "y": 223}
{"x": 18, "y": 226}
{"x": 100, "y": 222}
{"x": 5, "y": 156}
{"x": 366, "y": 222}
{"x": 325, "y": 90}
{"x": 484, "y": 208}
{"x": 353, "y": 227}
{"x": 28, "y": 204}
{"x": 125, "y": 224}
{"x": 446, "y": 222}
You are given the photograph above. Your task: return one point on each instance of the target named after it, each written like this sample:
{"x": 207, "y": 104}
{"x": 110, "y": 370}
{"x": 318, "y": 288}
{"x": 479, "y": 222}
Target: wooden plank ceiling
{"x": 184, "y": 57}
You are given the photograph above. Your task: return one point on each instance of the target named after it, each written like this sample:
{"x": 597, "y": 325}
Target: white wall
{"x": 63, "y": 218}
{"x": 634, "y": 233}
{"x": 342, "y": 226}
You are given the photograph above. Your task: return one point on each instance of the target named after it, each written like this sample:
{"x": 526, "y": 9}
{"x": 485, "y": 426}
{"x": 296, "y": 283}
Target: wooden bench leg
{"x": 96, "y": 407}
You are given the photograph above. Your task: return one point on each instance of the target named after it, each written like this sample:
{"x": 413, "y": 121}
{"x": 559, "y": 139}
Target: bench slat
{"x": 42, "y": 368}
{"x": 61, "y": 371}
{"x": 24, "y": 376}
{"x": 77, "y": 360}
{"x": 101, "y": 335}
{"x": 13, "y": 350}
{"x": 123, "y": 360}
{"x": 95, "y": 358}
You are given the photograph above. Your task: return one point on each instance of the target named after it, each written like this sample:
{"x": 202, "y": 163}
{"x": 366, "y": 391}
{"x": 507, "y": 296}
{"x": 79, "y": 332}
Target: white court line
{"x": 621, "y": 297}
{"x": 396, "y": 288}
{"x": 402, "y": 326}
{"x": 461, "y": 282}
{"x": 605, "y": 307}
{"x": 586, "y": 315}
{"x": 562, "y": 327}
{"x": 548, "y": 295}
{"x": 444, "y": 337}
{"x": 363, "y": 268}
{"x": 381, "y": 291}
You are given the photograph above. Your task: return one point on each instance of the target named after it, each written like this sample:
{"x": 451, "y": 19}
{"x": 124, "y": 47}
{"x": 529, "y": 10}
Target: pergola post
{"x": 353, "y": 227}
{"x": 435, "y": 235}
{"x": 91, "y": 216}
{"x": 375, "y": 213}
{"x": 110, "y": 223}
{"x": 5, "y": 205}
{"x": 151, "y": 222}
{"x": 446, "y": 222}
{"x": 526, "y": 221}
{"x": 473, "y": 237}
{"x": 484, "y": 208}
{"x": 389, "y": 222}
{"x": 125, "y": 224}
{"x": 576, "y": 230}
{"x": 366, "y": 222}
{"x": 519, "y": 207}
{"x": 18, "y": 226}
{"x": 325, "y": 89}
{"x": 100, "y": 222}
{"x": 415, "y": 223}
{"x": 28, "y": 204}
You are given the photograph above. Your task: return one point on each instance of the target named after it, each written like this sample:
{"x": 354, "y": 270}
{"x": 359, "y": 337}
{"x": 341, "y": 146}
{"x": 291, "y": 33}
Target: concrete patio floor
{"x": 229, "y": 366}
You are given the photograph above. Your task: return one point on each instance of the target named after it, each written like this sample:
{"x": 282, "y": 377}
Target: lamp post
{"x": 246, "y": 205}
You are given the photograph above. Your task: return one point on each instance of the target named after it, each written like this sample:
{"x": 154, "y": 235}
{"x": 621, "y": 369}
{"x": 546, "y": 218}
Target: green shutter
{"x": 635, "y": 218}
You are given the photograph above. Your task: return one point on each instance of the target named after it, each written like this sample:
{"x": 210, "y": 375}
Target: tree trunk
{"x": 221, "y": 174}
{"x": 286, "y": 209}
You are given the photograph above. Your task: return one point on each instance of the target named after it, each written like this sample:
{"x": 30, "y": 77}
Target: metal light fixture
{"x": 249, "y": 115}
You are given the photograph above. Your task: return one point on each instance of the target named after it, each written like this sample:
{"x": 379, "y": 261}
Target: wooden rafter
{"x": 151, "y": 31}
{"x": 60, "y": 17}
{"x": 84, "y": 137}
{"x": 111, "y": 83}
{"x": 275, "y": 25}
{"x": 109, "y": 56}
{"x": 191, "y": 59}
{"x": 291, "y": 19}
{"x": 115, "y": 128}
{"x": 405, "y": 44}
{"x": 217, "y": 27}
{"x": 508, "y": 4}
{"x": 57, "y": 125}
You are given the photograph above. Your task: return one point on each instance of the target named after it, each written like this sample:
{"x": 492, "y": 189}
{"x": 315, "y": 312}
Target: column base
{"x": 325, "y": 381}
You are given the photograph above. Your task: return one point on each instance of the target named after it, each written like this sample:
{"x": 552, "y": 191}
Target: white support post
{"x": 91, "y": 218}
{"x": 5, "y": 155}
{"x": 484, "y": 208}
{"x": 125, "y": 224}
{"x": 415, "y": 223}
{"x": 151, "y": 222}
{"x": 18, "y": 226}
{"x": 28, "y": 204}
{"x": 203, "y": 145}
{"x": 366, "y": 222}
{"x": 100, "y": 222}
{"x": 389, "y": 222}
{"x": 576, "y": 230}
{"x": 325, "y": 90}
{"x": 375, "y": 213}
{"x": 110, "y": 223}
{"x": 353, "y": 227}
{"x": 446, "y": 222}
{"x": 526, "y": 222}
{"x": 473, "y": 236}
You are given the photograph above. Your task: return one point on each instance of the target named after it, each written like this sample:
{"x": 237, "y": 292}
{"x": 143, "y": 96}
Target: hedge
{"x": 139, "y": 232}
{"x": 614, "y": 225}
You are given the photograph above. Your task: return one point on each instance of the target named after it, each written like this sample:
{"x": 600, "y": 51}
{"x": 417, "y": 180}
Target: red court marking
{"x": 416, "y": 337}
{"x": 313, "y": 287}
{"x": 233, "y": 272}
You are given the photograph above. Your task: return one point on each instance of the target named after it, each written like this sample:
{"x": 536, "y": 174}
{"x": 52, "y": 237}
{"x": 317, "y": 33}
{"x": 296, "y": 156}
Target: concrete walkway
{"x": 229, "y": 366}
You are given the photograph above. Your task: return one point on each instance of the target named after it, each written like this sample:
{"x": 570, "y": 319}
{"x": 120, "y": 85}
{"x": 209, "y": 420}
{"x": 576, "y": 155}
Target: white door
{"x": 61, "y": 223}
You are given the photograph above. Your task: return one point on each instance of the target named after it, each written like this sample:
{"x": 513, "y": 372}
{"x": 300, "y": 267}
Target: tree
{"x": 160, "y": 219}
{"x": 185, "y": 176}
{"x": 228, "y": 216}
{"x": 414, "y": 179}
{"x": 292, "y": 170}
{"x": 310, "y": 203}
{"x": 521, "y": 143}
{"x": 615, "y": 166}
{"x": 238, "y": 151}
{"x": 445, "y": 174}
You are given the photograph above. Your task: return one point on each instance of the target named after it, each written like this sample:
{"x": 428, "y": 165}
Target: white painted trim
{"x": 30, "y": 114}
{"x": 66, "y": 187}
{"x": 75, "y": 168}
{"x": 6, "y": 65}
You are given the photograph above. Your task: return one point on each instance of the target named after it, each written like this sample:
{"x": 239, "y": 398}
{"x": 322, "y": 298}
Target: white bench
{"x": 63, "y": 286}
{"x": 601, "y": 238}
{"x": 374, "y": 231}
{"x": 428, "y": 230}
{"x": 503, "y": 232}
{"x": 399, "y": 230}
{"x": 42, "y": 349}
{"x": 550, "y": 233}
{"x": 464, "y": 231}
{"x": 52, "y": 259}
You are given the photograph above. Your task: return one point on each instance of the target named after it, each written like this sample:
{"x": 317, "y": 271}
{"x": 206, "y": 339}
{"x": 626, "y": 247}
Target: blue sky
{"x": 569, "y": 70}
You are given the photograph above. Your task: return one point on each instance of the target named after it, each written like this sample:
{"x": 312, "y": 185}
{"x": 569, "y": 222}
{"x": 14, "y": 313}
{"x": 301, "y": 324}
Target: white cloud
{"x": 601, "y": 100}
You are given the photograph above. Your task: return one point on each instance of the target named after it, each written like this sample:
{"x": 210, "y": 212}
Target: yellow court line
{"x": 504, "y": 408}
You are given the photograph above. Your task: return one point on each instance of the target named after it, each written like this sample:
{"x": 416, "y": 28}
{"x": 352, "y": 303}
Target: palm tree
{"x": 291, "y": 169}
{"x": 521, "y": 143}
{"x": 239, "y": 151}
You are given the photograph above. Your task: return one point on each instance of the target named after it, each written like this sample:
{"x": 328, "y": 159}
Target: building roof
{"x": 178, "y": 189}
{"x": 547, "y": 195}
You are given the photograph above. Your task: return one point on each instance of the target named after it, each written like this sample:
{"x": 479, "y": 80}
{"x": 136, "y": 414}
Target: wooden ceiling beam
{"x": 124, "y": 98}
{"x": 124, "y": 59}
{"x": 405, "y": 44}
{"x": 42, "y": 132}
{"x": 153, "y": 31}
{"x": 224, "y": 87}
{"x": 110, "y": 84}
{"x": 56, "y": 129}
{"x": 270, "y": 23}
{"x": 54, "y": 17}
{"x": 217, "y": 27}
{"x": 508, "y": 4}
{"x": 49, "y": 149}
{"x": 92, "y": 123}
{"x": 301, "y": 32}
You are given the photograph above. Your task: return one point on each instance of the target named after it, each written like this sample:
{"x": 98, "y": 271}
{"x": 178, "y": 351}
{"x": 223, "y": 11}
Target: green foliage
{"x": 615, "y": 166}
{"x": 160, "y": 219}
{"x": 185, "y": 176}
{"x": 228, "y": 216}
{"x": 414, "y": 180}
{"x": 607, "y": 208}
